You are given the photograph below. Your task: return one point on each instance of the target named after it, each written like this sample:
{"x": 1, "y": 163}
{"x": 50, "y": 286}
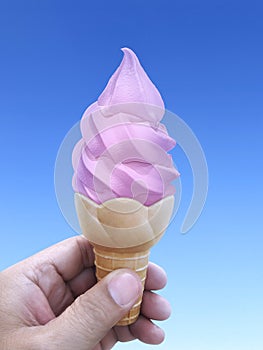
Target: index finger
{"x": 156, "y": 277}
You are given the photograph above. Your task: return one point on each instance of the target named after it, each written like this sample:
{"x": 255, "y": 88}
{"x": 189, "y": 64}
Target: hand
{"x": 52, "y": 301}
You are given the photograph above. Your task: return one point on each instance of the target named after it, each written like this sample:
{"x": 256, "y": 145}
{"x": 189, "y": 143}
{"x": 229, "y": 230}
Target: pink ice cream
{"x": 123, "y": 150}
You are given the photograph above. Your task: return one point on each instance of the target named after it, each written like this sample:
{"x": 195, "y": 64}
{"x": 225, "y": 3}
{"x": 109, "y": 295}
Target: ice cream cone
{"x": 122, "y": 231}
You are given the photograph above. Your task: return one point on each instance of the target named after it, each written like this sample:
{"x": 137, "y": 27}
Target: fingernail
{"x": 124, "y": 288}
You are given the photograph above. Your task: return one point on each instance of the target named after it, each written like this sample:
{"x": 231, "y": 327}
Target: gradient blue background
{"x": 206, "y": 59}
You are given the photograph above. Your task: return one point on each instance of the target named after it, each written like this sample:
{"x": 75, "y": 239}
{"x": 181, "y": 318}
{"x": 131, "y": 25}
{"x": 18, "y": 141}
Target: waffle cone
{"x": 122, "y": 231}
{"x": 108, "y": 260}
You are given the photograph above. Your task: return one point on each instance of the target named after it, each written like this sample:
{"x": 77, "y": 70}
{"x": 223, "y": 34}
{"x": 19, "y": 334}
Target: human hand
{"x": 52, "y": 301}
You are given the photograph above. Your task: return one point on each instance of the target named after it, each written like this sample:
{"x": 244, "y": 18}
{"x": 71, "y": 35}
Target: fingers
{"x": 147, "y": 332}
{"x": 87, "y": 321}
{"x": 156, "y": 277}
{"x": 124, "y": 334}
{"x": 155, "y": 307}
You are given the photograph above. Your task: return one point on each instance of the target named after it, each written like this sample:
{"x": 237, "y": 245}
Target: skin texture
{"x": 52, "y": 301}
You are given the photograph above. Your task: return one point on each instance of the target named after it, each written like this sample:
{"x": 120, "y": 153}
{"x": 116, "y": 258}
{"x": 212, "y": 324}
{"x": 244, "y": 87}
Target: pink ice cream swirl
{"x": 123, "y": 150}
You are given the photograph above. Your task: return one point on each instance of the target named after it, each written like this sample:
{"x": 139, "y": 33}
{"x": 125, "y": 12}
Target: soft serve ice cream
{"x": 123, "y": 150}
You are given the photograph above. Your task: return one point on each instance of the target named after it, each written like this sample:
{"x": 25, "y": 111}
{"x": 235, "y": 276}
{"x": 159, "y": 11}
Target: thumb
{"x": 85, "y": 323}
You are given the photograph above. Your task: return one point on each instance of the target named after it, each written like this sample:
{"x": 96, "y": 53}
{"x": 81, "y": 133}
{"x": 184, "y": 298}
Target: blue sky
{"x": 206, "y": 59}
